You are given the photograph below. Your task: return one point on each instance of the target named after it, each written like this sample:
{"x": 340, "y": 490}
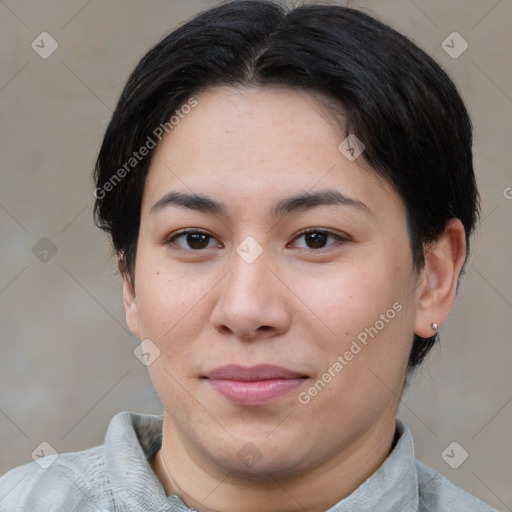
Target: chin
{"x": 260, "y": 460}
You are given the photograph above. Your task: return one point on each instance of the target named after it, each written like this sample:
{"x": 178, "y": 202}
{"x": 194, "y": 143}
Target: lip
{"x": 255, "y": 385}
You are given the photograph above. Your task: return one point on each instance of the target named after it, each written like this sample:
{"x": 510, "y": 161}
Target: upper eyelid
{"x": 320, "y": 230}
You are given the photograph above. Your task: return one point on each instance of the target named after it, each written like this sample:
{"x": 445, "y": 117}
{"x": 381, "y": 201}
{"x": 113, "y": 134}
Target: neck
{"x": 206, "y": 488}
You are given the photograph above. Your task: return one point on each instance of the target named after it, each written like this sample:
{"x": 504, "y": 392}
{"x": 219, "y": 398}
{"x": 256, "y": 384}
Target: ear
{"x": 129, "y": 299}
{"x": 437, "y": 286}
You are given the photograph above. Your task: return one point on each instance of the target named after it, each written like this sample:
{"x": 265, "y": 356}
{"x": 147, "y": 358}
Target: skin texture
{"x": 297, "y": 305}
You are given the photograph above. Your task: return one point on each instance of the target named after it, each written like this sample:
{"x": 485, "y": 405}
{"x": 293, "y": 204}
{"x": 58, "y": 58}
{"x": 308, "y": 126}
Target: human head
{"x": 395, "y": 98}
{"x": 256, "y": 103}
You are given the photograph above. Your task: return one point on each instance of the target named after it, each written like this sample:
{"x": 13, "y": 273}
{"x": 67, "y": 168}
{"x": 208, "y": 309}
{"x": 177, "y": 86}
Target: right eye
{"x": 192, "y": 240}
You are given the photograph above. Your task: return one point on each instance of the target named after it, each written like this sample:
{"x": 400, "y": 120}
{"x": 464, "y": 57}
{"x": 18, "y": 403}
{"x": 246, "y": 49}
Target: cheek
{"x": 364, "y": 309}
{"x": 161, "y": 302}
{"x": 172, "y": 304}
{"x": 170, "y": 314}
{"x": 346, "y": 298}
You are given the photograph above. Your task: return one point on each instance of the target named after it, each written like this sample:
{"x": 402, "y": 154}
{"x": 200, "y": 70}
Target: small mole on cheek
{"x": 158, "y": 272}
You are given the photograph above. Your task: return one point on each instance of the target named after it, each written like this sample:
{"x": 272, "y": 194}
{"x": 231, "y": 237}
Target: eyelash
{"x": 308, "y": 231}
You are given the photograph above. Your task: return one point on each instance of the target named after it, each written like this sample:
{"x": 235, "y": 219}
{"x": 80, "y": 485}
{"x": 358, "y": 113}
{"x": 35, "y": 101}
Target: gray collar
{"x": 132, "y": 439}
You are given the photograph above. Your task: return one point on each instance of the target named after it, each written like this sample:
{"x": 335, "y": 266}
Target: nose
{"x": 252, "y": 301}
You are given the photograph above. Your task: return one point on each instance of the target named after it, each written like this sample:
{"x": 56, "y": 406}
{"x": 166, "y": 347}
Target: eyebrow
{"x": 296, "y": 203}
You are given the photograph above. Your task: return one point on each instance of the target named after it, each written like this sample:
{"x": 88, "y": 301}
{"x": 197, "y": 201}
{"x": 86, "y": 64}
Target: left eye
{"x": 316, "y": 239}
{"x": 194, "y": 239}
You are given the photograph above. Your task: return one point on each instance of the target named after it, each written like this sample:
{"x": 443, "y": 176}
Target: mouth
{"x": 255, "y": 385}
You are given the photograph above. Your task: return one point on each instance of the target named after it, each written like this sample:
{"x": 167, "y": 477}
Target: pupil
{"x": 316, "y": 239}
{"x": 195, "y": 239}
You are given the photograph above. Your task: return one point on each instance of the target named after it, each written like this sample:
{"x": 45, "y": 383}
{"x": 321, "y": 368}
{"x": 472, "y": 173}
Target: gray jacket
{"x": 116, "y": 476}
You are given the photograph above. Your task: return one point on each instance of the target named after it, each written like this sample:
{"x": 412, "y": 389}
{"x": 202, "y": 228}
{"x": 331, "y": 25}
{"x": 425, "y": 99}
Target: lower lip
{"x": 253, "y": 393}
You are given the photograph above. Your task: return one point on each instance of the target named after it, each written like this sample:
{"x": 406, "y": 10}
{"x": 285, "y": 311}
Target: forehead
{"x": 258, "y": 144}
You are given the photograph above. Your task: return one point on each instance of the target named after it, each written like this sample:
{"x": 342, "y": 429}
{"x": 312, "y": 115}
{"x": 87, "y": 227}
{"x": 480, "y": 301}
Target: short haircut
{"x": 394, "y": 97}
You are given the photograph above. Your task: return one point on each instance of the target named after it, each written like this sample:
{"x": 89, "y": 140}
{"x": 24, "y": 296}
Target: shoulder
{"x": 84, "y": 480}
{"x": 69, "y": 481}
{"x": 437, "y": 493}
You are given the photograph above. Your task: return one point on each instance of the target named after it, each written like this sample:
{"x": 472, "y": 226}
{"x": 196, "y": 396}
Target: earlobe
{"x": 129, "y": 299}
{"x": 437, "y": 286}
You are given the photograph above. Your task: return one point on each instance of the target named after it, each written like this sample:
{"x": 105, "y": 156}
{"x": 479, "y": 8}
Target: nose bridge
{"x": 249, "y": 275}
{"x": 249, "y": 297}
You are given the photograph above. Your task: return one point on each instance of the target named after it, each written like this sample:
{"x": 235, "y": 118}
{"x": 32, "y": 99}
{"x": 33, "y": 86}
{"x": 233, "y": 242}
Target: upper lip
{"x": 253, "y": 373}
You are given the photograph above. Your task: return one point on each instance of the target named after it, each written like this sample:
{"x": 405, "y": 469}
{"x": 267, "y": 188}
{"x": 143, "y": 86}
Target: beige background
{"x": 66, "y": 361}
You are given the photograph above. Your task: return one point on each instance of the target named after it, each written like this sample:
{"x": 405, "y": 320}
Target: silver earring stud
{"x": 434, "y": 326}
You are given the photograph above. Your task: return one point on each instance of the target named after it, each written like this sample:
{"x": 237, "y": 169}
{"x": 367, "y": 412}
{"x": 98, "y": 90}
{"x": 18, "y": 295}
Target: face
{"x": 283, "y": 304}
